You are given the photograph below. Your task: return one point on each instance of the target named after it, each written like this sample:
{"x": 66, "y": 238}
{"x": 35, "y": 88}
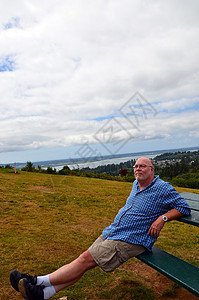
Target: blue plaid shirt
{"x": 142, "y": 208}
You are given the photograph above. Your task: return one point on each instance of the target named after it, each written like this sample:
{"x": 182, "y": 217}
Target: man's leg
{"x": 46, "y": 286}
{"x": 72, "y": 272}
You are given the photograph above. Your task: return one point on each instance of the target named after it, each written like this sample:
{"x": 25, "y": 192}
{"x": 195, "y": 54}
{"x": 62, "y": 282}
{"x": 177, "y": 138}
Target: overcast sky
{"x": 115, "y": 76}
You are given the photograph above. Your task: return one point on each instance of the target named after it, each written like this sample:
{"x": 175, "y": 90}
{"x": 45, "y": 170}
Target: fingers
{"x": 156, "y": 227}
{"x": 154, "y": 232}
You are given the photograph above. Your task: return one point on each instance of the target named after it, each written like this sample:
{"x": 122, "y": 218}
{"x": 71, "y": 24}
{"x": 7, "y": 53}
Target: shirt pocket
{"x": 148, "y": 206}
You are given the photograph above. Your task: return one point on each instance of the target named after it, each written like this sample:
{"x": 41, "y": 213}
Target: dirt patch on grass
{"x": 42, "y": 189}
{"x": 163, "y": 288}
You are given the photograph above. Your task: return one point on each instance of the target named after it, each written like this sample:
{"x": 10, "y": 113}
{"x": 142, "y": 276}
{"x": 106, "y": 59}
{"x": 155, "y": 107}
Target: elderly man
{"x": 152, "y": 202}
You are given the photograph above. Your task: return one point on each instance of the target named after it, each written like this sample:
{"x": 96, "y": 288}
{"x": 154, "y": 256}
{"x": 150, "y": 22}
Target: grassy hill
{"x": 48, "y": 220}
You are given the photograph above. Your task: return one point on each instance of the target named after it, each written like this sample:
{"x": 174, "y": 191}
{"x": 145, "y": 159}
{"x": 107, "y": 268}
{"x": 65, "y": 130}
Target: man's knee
{"x": 86, "y": 259}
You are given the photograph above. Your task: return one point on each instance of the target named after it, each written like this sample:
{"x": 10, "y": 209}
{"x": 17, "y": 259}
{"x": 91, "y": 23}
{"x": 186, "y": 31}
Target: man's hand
{"x": 156, "y": 227}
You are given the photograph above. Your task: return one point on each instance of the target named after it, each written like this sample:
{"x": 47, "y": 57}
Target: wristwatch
{"x": 164, "y": 218}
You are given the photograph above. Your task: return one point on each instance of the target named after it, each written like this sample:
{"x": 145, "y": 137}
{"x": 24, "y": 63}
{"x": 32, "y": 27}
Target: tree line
{"x": 184, "y": 172}
{"x": 179, "y": 168}
{"x": 75, "y": 172}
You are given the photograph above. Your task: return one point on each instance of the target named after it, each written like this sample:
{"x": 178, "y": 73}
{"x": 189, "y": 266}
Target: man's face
{"x": 143, "y": 170}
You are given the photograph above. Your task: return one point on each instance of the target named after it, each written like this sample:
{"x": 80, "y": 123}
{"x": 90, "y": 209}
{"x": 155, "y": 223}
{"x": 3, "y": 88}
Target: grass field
{"x": 48, "y": 220}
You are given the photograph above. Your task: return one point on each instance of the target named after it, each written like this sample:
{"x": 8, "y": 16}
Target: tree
{"x": 123, "y": 172}
{"x": 50, "y": 170}
{"x": 8, "y": 167}
{"x": 29, "y": 167}
{"x": 65, "y": 171}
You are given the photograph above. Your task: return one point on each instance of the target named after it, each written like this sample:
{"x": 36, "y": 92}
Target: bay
{"x": 104, "y": 162}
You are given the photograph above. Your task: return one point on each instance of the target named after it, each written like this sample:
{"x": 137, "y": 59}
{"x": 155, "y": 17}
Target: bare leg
{"x": 72, "y": 272}
{"x": 63, "y": 286}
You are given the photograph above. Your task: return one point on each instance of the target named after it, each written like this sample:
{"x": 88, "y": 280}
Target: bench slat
{"x": 181, "y": 272}
{"x": 193, "y": 219}
{"x": 190, "y": 196}
{"x": 193, "y": 204}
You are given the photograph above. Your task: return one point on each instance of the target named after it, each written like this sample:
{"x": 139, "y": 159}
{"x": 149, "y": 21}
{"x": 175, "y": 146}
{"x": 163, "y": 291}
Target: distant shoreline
{"x": 99, "y": 160}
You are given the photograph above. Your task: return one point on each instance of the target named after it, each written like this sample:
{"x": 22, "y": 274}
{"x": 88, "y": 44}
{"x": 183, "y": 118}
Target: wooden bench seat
{"x": 178, "y": 270}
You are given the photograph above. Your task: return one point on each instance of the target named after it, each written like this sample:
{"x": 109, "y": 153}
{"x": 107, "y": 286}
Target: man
{"x": 136, "y": 227}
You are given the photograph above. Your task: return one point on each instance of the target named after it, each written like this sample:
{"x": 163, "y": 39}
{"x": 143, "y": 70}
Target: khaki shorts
{"x": 110, "y": 254}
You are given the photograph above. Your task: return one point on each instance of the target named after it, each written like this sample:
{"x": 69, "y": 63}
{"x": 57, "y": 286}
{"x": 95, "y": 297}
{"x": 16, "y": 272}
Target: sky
{"x": 85, "y": 78}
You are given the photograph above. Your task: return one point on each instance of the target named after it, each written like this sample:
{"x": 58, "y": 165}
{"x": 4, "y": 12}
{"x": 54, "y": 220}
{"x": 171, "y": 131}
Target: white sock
{"x": 49, "y": 291}
{"x": 43, "y": 280}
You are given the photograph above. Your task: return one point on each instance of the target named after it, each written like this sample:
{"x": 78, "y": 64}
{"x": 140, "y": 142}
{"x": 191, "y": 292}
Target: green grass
{"x": 172, "y": 292}
{"x": 48, "y": 220}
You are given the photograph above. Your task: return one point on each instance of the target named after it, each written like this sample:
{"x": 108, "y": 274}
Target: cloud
{"x": 72, "y": 64}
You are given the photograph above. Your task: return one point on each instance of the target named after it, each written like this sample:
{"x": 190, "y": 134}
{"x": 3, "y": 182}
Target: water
{"x": 95, "y": 162}
{"x": 103, "y": 162}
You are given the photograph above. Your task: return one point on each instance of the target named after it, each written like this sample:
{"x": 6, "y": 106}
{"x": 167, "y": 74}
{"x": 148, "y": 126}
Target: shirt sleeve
{"x": 173, "y": 199}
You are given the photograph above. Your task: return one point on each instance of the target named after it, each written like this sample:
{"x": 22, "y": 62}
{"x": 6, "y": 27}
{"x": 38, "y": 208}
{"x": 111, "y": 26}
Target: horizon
{"x": 101, "y": 158}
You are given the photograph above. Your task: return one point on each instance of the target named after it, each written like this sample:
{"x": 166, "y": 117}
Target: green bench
{"x": 181, "y": 272}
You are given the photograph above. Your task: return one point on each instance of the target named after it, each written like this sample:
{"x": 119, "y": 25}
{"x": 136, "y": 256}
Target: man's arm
{"x": 157, "y": 226}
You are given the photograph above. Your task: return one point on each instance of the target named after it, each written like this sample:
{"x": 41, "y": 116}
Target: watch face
{"x": 164, "y": 218}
